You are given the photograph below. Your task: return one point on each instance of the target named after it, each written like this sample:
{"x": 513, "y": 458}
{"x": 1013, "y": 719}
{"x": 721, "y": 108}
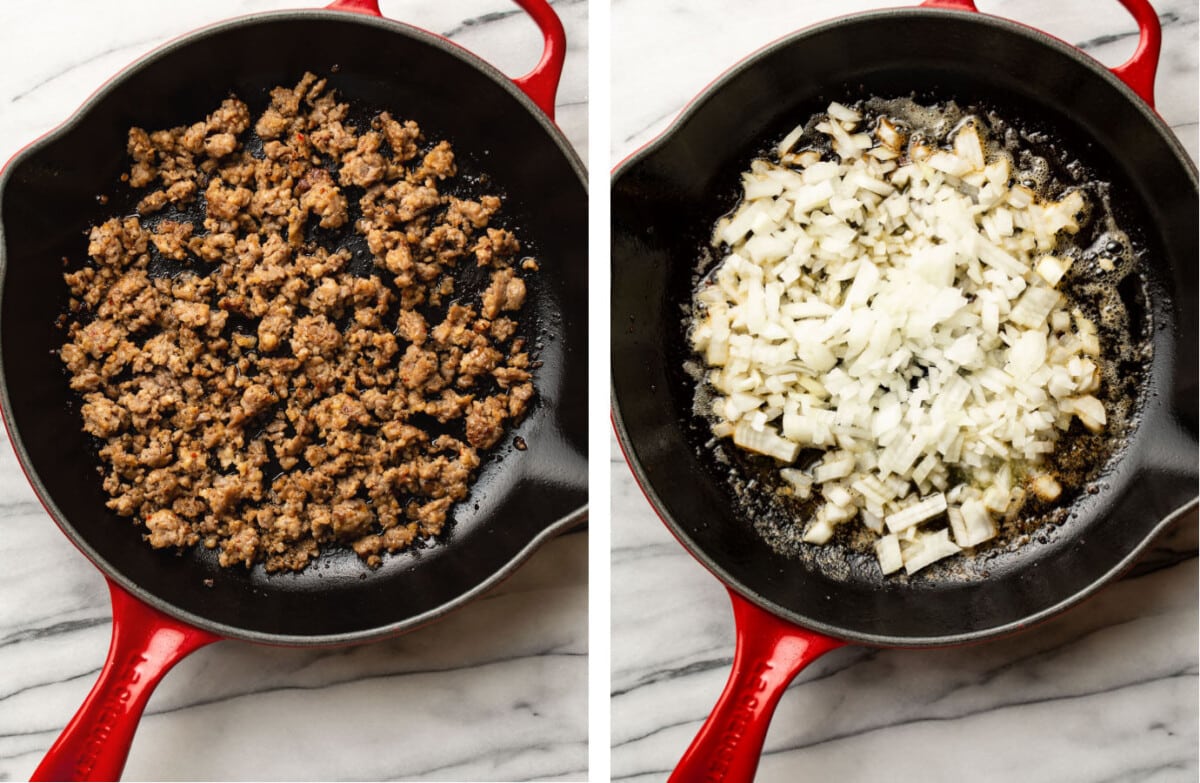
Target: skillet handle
{"x": 540, "y": 84}
{"x": 769, "y": 654}
{"x": 1139, "y": 70}
{"x": 145, "y": 645}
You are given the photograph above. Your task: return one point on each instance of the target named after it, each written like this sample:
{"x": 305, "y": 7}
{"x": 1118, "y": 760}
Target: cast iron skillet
{"x": 166, "y": 606}
{"x": 664, "y": 202}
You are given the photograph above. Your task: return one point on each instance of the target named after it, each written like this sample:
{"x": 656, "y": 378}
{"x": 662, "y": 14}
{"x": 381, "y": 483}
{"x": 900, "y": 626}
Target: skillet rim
{"x": 551, "y": 529}
{"x": 679, "y": 532}
{"x": 984, "y": 19}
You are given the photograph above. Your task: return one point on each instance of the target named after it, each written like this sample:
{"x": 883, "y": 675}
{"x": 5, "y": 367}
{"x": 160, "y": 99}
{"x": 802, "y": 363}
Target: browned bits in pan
{"x": 253, "y": 387}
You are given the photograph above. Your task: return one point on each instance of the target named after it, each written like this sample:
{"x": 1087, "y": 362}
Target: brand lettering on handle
{"x": 113, "y": 706}
{"x": 745, "y": 703}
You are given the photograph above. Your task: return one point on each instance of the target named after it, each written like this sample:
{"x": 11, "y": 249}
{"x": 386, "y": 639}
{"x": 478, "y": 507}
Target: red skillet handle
{"x": 540, "y": 84}
{"x": 770, "y": 652}
{"x": 145, "y": 645}
{"x": 1139, "y": 70}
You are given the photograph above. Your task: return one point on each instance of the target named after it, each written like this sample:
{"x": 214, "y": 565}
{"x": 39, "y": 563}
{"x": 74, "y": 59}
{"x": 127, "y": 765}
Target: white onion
{"x": 928, "y": 548}
{"x": 903, "y": 311}
{"x": 887, "y": 549}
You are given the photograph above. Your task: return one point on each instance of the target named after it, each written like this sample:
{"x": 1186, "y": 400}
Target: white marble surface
{"x": 1106, "y": 692}
{"x": 496, "y": 691}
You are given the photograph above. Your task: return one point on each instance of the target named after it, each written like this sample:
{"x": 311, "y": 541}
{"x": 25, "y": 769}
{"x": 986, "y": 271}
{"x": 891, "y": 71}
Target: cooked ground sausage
{"x": 267, "y": 401}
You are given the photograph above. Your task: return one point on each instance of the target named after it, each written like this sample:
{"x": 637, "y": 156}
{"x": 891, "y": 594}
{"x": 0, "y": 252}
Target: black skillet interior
{"x": 666, "y": 198}
{"x": 48, "y": 198}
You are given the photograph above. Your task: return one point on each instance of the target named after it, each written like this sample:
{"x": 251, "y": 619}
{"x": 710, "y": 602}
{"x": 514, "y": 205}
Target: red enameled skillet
{"x": 665, "y": 198}
{"x": 165, "y": 606}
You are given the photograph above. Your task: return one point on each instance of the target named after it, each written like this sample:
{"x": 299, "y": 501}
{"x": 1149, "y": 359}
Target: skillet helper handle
{"x": 541, "y": 83}
{"x": 1139, "y": 70}
{"x": 145, "y": 645}
{"x": 770, "y": 652}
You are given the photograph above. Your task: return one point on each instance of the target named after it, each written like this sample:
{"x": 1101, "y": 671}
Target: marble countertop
{"x": 496, "y": 691}
{"x": 1105, "y": 692}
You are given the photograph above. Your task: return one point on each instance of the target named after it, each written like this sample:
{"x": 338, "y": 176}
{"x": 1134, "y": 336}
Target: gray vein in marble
{"x": 696, "y": 667}
{"x": 646, "y": 126}
{"x": 998, "y": 708}
{"x": 480, "y": 21}
{"x": 476, "y": 22}
{"x": 811, "y": 674}
{"x": 20, "y": 507}
{"x": 56, "y": 629}
{"x": 353, "y": 680}
{"x": 826, "y": 740}
{"x": 645, "y": 552}
{"x": 1061, "y": 644}
{"x": 140, "y": 44}
{"x": 490, "y": 756}
{"x": 1166, "y": 19}
{"x": 1148, "y": 773}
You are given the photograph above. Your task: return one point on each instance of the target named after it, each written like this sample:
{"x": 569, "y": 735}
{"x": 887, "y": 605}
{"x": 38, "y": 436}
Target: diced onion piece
{"x": 890, "y": 135}
{"x": 929, "y": 548}
{"x": 1089, "y": 410}
{"x": 809, "y": 197}
{"x": 871, "y": 521}
{"x": 790, "y": 140}
{"x": 1021, "y": 197}
{"x": 916, "y": 513}
{"x": 996, "y": 499}
{"x": 949, "y": 163}
{"x": 838, "y": 496}
{"x": 1034, "y": 307}
{"x": 887, "y": 550}
{"x": 835, "y": 515}
{"x": 833, "y": 468}
{"x": 1000, "y": 259}
{"x": 801, "y": 482}
{"x": 977, "y": 525}
{"x": 969, "y": 148}
{"x": 1052, "y": 269}
{"x": 819, "y": 532}
{"x": 1046, "y": 487}
{"x": 765, "y": 442}
{"x": 723, "y": 429}
{"x": 843, "y": 113}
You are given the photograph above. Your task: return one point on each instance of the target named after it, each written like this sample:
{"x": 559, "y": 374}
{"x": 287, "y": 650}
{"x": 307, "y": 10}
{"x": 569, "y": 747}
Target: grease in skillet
{"x": 305, "y": 337}
{"x": 904, "y": 315}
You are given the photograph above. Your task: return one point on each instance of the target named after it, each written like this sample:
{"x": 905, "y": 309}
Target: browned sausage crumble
{"x": 266, "y": 399}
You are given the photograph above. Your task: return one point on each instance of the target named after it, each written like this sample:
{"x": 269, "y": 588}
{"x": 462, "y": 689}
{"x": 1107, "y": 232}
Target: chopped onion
{"x": 927, "y": 549}
{"x": 766, "y": 441}
{"x": 834, "y": 468}
{"x": 928, "y": 508}
{"x": 1034, "y": 307}
{"x": 887, "y": 549}
{"x": 897, "y": 307}
{"x": 1046, "y": 488}
{"x": 1052, "y": 269}
{"x": 976, "y": 524}
{"x": 1089, "y": 410}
